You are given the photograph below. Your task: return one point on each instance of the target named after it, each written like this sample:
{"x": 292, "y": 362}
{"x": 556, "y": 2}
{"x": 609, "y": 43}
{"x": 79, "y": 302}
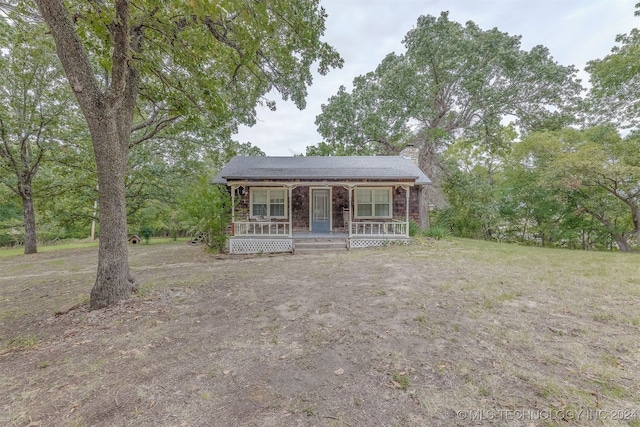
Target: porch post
{"x": 233, "y": 209}
{"x": 233, "y": 203}
{"x": 350, "y": 208}
{"x": 290, "y": 212}
{"x": 407, "y": 196}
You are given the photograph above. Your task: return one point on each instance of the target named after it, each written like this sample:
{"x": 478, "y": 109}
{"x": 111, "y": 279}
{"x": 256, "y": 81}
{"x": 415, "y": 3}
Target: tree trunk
{"x": 427, "y": 163}
{"x": 30, "y": 241}
{"x": 112, "y": 280}
{"x": 109, "y": 114}
{"x": 622, "y": 241}
{"x": 635, "y": 216}
{"x": 424, "y": 207}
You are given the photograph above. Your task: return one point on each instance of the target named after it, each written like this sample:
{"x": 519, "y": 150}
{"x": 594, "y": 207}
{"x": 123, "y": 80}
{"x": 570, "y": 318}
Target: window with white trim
{"x": 374, "y": 202}
{"x": 268, "y": 202}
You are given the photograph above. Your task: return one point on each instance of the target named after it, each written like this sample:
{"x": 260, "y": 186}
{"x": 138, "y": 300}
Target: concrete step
{"x": 311, "y": 245}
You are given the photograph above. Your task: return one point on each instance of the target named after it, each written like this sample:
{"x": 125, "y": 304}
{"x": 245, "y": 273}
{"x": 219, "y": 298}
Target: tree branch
{"x": 119, "y": 29}
{"x": 156, "y": 127}
{"x": 71, "y": 52}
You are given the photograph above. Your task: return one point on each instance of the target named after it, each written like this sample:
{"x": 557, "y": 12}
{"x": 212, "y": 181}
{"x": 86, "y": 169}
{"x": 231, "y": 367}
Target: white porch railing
{"x": 261, "y": 228}
{"x": 395, "y": 228}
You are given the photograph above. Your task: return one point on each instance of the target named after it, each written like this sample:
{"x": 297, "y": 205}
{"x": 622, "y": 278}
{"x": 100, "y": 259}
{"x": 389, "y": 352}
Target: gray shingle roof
{"x": 333, "y": 168}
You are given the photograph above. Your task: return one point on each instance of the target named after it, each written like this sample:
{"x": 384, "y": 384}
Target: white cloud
{"x": 365, "y": 31}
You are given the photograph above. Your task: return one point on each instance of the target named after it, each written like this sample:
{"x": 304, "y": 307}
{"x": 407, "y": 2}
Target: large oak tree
{"x": 453, "y": 80}
{"x": 138, "y": 66}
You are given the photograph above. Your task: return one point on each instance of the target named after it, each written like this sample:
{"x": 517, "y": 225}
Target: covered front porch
{"x": 271, "y": 216}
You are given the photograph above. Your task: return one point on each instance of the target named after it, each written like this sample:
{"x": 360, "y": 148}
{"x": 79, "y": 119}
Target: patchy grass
{"x": 448, "y": 332}
{"x": 79, "y": 244}
{"x": 10, "y": 252}
{"x": 19, "y": 342}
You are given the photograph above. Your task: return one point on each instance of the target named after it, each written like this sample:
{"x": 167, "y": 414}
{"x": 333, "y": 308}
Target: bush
{"x": 437, "y": 232}
{"x": 7, "y": 239}
{"x": 146, "y": 233}
{"x": 208, "y": 208}
{"x": 414, "y": 228}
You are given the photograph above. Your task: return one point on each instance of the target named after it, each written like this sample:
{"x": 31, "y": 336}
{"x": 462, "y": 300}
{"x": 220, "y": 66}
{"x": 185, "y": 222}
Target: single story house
{"x": 365, "y": 200}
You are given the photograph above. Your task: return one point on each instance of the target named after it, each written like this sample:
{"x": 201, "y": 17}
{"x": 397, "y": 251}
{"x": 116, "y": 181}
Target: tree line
{"x": 518, "y": 148}
{"x": 47, "y": 164}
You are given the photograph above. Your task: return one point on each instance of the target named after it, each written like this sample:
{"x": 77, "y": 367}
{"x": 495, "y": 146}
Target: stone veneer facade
{"x": 340, "y": 201}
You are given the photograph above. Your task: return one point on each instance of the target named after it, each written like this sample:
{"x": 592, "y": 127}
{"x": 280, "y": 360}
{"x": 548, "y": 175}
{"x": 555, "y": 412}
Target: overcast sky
{"x": 365, "y": 31}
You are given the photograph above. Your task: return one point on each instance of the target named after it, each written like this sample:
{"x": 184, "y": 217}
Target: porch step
{"x": 313, "y": 245}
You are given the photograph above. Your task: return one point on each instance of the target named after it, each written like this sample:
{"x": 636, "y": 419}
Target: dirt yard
{"x": 448, "y": 333}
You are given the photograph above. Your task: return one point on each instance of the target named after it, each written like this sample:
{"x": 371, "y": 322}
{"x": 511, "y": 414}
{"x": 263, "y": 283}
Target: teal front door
{"x": 320, "y": 210}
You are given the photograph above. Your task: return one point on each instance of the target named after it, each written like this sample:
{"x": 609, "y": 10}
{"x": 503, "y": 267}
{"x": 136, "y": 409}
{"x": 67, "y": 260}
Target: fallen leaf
{"x": 339, "y": 371}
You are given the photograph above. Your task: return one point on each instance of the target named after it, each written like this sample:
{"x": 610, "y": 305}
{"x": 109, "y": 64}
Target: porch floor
{"x": 315, "y": 235}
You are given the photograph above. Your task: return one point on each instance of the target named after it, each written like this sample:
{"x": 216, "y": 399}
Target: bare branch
{"x": 153, "y": 131}
{"x": 147, "y": 122}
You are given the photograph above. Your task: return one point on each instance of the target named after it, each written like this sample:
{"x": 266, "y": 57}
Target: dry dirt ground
{"x": 448, "y": 333}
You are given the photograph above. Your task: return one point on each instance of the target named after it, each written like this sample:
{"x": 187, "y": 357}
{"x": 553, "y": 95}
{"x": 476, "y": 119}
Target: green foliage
{"x": 158, "y": 179}
{"x": 360, "y": 123}
{"x": 437, "y": 232}
{"x": 10, "y": 222}
{"x": 414, "y": 228}
{"x": 567, "y": 188}
{"x": 472, "y": 186}
{"x": 460, "y": 94}
{"x": 208, "y": 210}
{"x": 34, "y": 103}
{"x": 146, "y": 233}
{"x": 593, "y": 174}
{"x": 206, "y": 66}
{"x": 69, "y": 181}
{"x": 454, "y": 80}
{"x": 615, "y": 84}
